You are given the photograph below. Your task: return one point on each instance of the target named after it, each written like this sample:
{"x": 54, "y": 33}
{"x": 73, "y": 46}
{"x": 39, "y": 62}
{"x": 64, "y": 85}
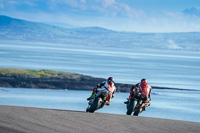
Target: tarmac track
{"x": 15, "y": 119}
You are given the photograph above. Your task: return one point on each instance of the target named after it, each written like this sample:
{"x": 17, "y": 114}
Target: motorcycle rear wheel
{"x": 137, "y": 111}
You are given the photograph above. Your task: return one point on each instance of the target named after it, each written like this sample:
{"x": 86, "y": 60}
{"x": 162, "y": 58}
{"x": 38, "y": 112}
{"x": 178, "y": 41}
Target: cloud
{"x": 14, "y": 5}
{"x": 12, "y": 2}
{"x": 100, "y": 7}
{"x": 1, "y": 6}
{"x": 107, "y": 8}
{"x": 171, "y": 14}
{"x": 112, "y": 14}
{"x": 192, "y": 11}
{"x": 72, "y": 3}
{"x": 114, "y": 8}
{"x": 29, "y": 3}
{"x": 83, "y": 1}
{"x": 106, "y": 3}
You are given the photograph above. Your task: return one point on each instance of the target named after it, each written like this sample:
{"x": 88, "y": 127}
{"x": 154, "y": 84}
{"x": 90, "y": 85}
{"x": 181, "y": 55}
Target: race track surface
{"x": 38, "y": 120}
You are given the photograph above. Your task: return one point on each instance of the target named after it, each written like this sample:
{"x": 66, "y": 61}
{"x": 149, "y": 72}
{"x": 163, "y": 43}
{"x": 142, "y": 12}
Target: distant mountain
{"x": 63, "y": 25}
{"x": 12, "y": 29}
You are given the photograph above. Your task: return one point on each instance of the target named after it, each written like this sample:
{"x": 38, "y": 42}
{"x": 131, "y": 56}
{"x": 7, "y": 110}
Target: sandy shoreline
{"x": 15, "y": 119}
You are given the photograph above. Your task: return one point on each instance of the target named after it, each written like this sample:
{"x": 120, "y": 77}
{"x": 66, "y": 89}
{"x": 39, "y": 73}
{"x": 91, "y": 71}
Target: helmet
{"x": 111, "y": 79}
{"x": 143, "y": 81}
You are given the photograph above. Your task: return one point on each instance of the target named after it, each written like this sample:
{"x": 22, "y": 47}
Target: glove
{"x": 95, "y": 89}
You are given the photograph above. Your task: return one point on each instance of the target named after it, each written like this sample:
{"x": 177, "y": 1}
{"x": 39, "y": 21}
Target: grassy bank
{"x": 37, "y": 73}
{"x": 48, "y": 79}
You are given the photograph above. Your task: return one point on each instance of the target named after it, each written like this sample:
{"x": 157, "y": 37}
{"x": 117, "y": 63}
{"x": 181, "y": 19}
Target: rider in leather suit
{"x": 109, "y": 84}
{"x": 144, "y": 89}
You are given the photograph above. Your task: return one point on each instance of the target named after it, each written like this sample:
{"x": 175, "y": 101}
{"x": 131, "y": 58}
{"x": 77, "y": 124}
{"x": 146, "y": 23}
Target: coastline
{"x": 47, "y": 79}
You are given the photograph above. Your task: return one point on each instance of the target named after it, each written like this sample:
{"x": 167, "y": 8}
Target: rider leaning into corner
{"x": 144, "y": 88}
{"x": 109, "y": 85}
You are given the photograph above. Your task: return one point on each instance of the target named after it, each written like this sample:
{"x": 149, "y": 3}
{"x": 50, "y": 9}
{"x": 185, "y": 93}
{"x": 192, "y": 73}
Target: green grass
{"x": 37, "y": 73}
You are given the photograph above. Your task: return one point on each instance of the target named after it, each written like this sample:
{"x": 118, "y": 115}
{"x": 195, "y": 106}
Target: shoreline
{"x": 48, "y": 79}
{"x": 154, "y": 88}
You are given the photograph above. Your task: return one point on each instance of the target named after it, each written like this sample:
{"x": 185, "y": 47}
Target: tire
{"x": 136, "y": 112}
{"x": 130, "y": 107}
{"x": 94, "y": 106}
{"x": 87, "y": 110}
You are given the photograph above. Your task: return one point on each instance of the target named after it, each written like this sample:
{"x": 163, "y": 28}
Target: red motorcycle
{"x": 137, "y": 105}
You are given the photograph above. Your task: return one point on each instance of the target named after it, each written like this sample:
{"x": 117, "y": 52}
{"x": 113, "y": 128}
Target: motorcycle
{"x": 136, "y": 105}
{"x": 98, "y": 101}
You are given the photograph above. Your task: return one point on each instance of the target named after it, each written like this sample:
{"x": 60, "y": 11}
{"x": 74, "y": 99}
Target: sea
{"x": 180, "y": 70}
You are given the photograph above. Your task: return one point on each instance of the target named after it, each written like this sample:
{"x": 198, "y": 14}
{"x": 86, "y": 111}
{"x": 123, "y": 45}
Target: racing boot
{"x": 92, "y": 96}
{"x": 107, "y": 103}
{"x": 127, "y": 102}
{"x": 108, "y": 100}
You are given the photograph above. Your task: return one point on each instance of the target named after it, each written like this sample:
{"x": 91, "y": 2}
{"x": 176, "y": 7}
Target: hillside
{"x": 47, "y": 79}
{"x": 12, "y": 29}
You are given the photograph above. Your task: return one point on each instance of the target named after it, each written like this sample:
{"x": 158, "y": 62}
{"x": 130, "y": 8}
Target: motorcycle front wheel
{"x": 130, "y": 107}
{"x": 95, "y": 105}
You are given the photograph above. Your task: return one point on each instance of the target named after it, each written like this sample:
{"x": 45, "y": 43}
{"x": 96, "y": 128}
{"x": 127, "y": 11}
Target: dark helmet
{"x": 111, "y": 79}
{"x": 143, "y": 81}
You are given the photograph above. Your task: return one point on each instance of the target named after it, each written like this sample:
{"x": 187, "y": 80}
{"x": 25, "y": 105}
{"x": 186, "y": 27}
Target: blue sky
{"x": 120, "y": 15}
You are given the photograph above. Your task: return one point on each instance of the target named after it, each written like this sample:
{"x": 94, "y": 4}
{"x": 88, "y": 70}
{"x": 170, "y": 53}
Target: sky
{"x": 119, "y": 15}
